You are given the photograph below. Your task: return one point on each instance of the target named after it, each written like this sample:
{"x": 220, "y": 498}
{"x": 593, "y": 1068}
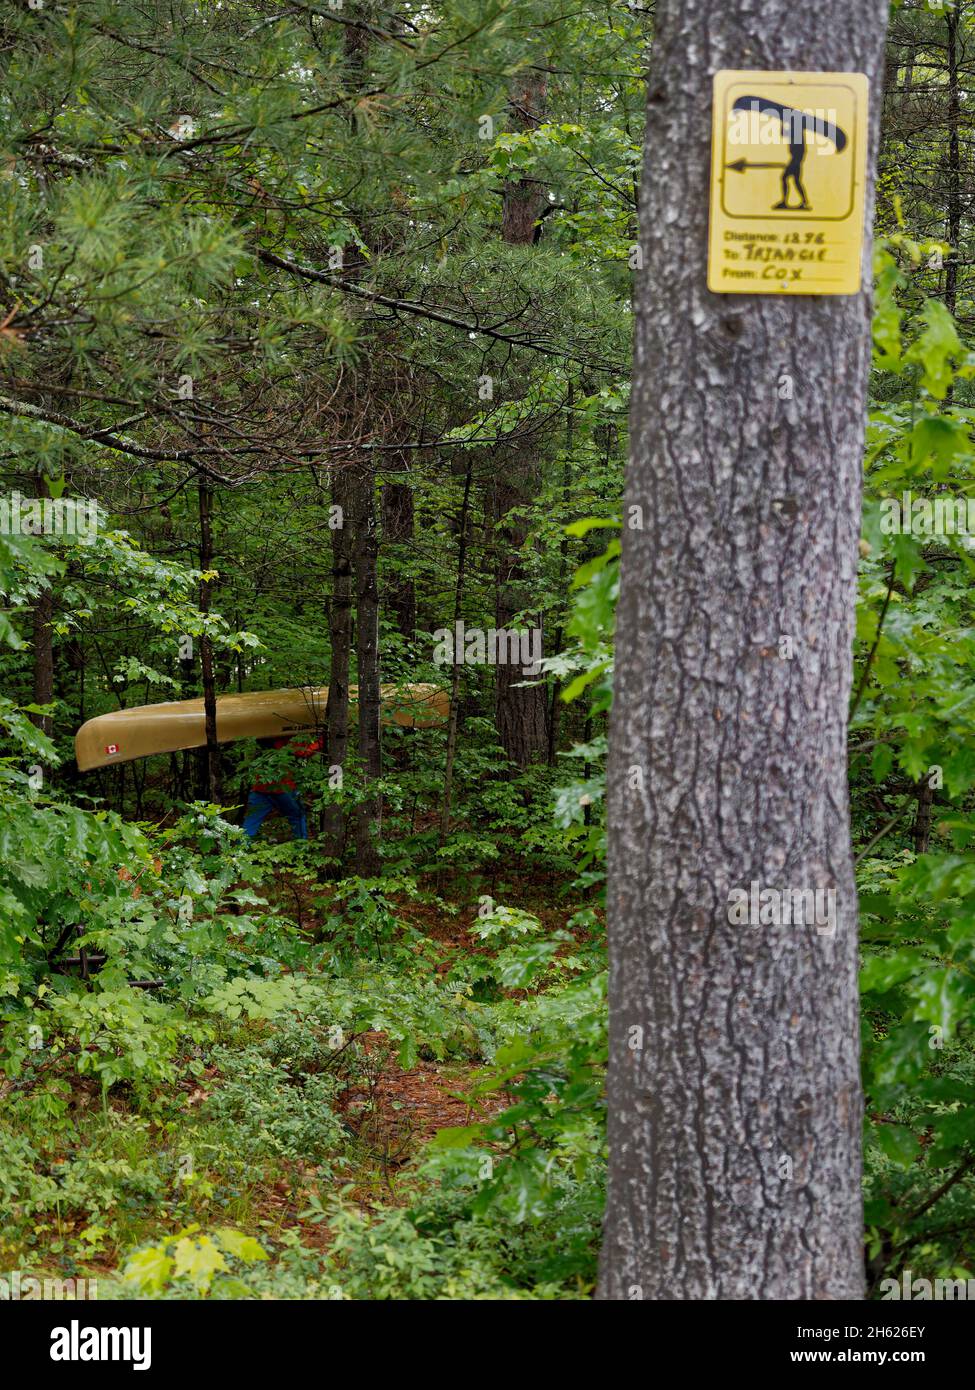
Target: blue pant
{"x": 260, "y": 805}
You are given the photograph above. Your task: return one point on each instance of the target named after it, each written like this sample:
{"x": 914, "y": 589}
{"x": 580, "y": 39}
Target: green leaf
{"x": 150, "y": 1269}
{"x": 935, "y": 348}
{"x": 197, "y": 1260}
{"x": 237, "y": 1244}
{"x": 898, "y": 1143}
{"x": 941, "y": 439}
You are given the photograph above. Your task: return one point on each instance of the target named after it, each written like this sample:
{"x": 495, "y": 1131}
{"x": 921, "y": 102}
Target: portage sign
{"x": 788, "y": 169}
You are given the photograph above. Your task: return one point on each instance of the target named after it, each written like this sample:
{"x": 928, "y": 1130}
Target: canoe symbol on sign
{"x": 796, "y": 125}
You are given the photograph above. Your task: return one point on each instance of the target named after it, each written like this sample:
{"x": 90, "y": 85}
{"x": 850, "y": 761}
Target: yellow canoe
{"x": 127, "y": 734}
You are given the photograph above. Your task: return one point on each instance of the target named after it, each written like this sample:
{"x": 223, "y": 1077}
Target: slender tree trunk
{"x": 454, "y": 715}
{"x": 366, "y": 551}
{"x": 398, "y": 532}
{"x": 340, "y": 642}
{"x": 74, "y": 652}
{"x": 887, "y": 151}
{"x": 555, "y": 707}
{"x": 734, "y": 1094}
{"x": 43, "y": 642}
{"x": 43, "y": 692}
{"x": 212, "y": 780}
{"x": 925, "y": 792}
{"x": 922, "y": 818}
{"x": 521, "y": 711}
{"x": 953, "y": 218}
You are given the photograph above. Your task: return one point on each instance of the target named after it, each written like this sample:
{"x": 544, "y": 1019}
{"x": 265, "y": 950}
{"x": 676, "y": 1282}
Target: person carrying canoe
{"x": 795, "y": 125}
{"x": 282, "y": 796}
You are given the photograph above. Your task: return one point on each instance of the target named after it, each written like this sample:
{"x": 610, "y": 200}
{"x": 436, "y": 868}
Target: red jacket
{"x": 298, "y": 750}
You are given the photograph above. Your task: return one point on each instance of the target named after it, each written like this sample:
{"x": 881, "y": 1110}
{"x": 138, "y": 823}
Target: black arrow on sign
{"x": 740, "y": 165}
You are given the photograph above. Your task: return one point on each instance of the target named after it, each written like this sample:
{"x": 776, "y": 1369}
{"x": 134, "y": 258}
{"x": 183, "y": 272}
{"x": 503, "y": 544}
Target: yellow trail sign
{"x": 788, "y": 170}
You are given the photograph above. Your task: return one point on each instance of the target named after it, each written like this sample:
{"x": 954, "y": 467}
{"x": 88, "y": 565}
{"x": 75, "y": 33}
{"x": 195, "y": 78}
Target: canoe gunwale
{"x": 174, "y": 726}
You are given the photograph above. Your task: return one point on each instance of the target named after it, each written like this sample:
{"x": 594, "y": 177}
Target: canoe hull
{"x": 128, "y": 734}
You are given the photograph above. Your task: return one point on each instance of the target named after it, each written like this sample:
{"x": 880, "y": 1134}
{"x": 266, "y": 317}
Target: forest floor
{"x": 242, "y": 1142}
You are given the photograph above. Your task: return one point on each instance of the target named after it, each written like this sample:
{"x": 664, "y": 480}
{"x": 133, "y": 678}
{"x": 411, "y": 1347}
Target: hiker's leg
{"x": 289, "y": 804}
{"x": 792, "y": 173}
{"x": 259, "y": 807}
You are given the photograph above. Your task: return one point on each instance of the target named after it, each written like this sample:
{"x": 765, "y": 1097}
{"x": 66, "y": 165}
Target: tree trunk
{"x": 555, "y": 703}
{"x": 212, "y": 780}
{"x": 340, "y": 643}
{"x": 925, "y": 792}
{"x": 953, "y": 212}
{"x": 43, "y": 692}
{"x": 521, "y": 712}
{"x": 734, "y": 1091}
{"x": 398, "y": 532}
{"x": 453, "y": 719}
{"x": 43, "y": 643}
{"x": 524, "y": 199}
{"x": 363, "y": 554}
{"x": 366, "y": 552}
{"x": 922, "y": 817}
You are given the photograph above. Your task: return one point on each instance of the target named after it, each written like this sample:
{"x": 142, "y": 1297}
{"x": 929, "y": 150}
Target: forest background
{"x": 327, "y": 308}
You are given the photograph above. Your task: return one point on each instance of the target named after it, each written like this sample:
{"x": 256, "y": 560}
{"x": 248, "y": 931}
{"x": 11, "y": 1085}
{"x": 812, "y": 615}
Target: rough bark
{"x": 953, "y": 212}
{"x": 521, "y": 712}
{"x": 212, "y": 781}
{"x": 43, "y": 643}
{"x": 398, "y": 532}
{"x": 555, "y": 703}
{"x": 43, "y": 692}
{"x": 364, "y": 544}
{"x": 453, "y": 718}
{"x": 925, "y": 792}
{"x": 734, "y": 1093}
{"x": 524, "y": 199}
{"x": 369, "y": 703}
{"x": 340, "y": 643}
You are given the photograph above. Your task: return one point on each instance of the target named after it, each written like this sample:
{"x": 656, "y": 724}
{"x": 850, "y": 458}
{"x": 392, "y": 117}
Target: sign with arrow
{"x": 788, "y": 170}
